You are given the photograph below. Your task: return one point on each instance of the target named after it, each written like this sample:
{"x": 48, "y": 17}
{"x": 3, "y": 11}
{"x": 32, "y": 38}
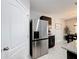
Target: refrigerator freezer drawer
{"x": 36, "y": 49}
{"x": 44, "y": 47}
{"x": 40, "y": 48}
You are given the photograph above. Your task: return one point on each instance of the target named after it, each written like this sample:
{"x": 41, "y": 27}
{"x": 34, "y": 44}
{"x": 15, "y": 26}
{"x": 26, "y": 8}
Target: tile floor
{"x": 56, "y": 52}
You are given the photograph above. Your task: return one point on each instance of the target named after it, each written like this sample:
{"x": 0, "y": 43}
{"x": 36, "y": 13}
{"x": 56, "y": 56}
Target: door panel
{"x": 5, "y": 29}
{"x": 15, "y": 30}
{"x": 18, "y": 26}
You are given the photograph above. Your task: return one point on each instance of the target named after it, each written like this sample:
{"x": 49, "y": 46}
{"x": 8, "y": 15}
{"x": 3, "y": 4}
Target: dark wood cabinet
{"x": 71, "y": 55}
{"x": 49, "y": 19}
{"x": 51, "y": 41}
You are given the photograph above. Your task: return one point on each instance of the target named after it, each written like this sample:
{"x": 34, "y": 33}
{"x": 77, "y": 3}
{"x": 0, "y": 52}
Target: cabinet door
{"x": 71, "y": 55}
{"x": 51, "y": 41}
{"x": 44, "y": 47}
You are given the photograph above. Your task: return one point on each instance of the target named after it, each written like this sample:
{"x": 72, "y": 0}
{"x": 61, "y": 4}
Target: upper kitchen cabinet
{"x": 49, "y": 19}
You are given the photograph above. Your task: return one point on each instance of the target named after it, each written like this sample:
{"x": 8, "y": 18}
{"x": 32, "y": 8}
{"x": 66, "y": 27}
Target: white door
{"x": 58, "y": 33}
{"x": 15, "y": 30}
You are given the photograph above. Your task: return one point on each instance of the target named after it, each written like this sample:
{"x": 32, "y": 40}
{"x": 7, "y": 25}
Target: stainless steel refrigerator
{"x": 40, "y": 39}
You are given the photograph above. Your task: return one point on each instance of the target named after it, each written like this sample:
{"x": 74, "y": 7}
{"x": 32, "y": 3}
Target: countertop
{"x": 51, "y": 35}
{"x": 72, "y": 46}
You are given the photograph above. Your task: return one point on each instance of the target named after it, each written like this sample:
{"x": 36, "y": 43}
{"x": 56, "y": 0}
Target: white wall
{"x": 59, "y": 30}
{"x": 58, "y": 33}
{"x": 70, "y": 23}
{"x": 15, "y": 28}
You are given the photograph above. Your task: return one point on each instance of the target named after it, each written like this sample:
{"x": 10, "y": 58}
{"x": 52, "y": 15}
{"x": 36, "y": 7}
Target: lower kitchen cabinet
{"x": 51, "y": 41}
{"x": 71, "y": 55}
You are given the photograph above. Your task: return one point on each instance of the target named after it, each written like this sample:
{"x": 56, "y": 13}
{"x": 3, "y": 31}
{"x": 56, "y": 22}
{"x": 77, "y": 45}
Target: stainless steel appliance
{"x": 39, "y": 39}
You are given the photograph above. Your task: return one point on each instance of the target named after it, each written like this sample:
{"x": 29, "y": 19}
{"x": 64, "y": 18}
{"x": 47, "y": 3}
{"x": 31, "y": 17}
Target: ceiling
{"x": 65, "y": 8}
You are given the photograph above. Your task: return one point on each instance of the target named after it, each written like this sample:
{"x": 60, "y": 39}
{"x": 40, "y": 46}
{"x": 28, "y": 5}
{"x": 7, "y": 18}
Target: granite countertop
{"x": 72, "y": 46}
